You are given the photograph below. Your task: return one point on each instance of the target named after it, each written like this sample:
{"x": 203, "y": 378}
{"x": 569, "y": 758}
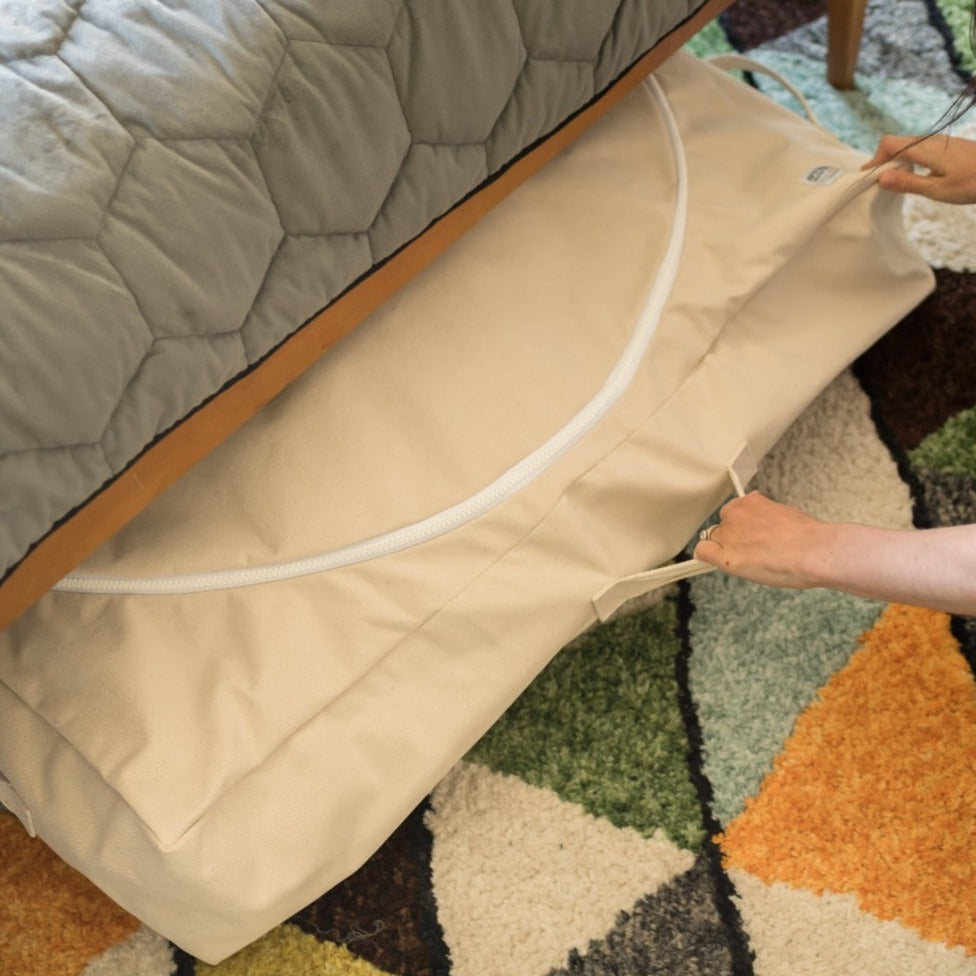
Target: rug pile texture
{"x": 732, "y": 779}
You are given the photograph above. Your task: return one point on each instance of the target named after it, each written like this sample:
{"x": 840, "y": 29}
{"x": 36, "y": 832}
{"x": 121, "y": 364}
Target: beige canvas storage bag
{"x": 234, "y": 702}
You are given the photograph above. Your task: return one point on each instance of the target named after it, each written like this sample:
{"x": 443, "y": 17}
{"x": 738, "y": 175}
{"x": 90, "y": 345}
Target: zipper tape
{"x": 505, "y": 486}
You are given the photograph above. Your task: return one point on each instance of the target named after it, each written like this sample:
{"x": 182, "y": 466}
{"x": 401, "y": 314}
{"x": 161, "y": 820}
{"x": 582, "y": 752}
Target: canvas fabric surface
{"x": 173, "y": 747}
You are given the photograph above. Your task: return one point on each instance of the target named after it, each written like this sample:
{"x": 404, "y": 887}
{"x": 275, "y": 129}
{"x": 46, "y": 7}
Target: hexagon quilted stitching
{"x": 183, "y": 184}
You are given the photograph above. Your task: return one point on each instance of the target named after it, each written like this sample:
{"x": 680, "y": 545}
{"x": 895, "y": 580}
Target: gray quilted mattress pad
{"x": 185, "y": 183}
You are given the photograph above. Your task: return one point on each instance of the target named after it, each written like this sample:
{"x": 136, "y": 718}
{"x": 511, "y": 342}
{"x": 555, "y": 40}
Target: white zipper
{"x": 505, "y": 486}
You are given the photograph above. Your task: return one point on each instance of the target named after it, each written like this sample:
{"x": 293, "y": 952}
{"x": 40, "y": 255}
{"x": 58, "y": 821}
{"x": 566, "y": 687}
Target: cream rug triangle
{"x": 798, "y": 933}
{"x": 521, "y": 876}
{"x": 833, "y": 464}
{"x": 144, "y": 953}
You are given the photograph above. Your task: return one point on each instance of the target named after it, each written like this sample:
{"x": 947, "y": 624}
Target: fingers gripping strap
{"x": 740, "y": 470}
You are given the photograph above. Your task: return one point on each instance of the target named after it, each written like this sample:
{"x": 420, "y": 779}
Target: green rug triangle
{"x": 957, "y": 15}
{"x": 952, "y": 448}
{"x": 601, "y": 727}
{"x": 709, "y": 41}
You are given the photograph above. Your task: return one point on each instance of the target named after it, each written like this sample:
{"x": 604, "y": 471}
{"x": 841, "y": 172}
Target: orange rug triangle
{"x": 875, "y": 792}
{"x": 52, "y": 920}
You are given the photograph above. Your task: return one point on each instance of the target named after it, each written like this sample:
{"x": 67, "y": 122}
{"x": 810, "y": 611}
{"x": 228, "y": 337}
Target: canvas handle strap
{"x": 739, "y": 62}
{"x": 12, "y": 802}
{"x": 614, "y": 595}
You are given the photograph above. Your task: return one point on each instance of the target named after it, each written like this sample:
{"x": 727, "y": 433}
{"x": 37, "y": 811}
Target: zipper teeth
{"x": 515, "y": 478}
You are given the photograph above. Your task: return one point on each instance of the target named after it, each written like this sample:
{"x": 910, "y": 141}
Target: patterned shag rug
{"x": 732, "y": 780}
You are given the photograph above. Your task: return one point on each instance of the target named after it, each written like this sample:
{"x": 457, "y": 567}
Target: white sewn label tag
{"x": 822, "y": 175}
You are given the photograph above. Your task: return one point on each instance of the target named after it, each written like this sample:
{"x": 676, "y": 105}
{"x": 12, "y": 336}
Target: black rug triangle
{"x": 677, "y": 931}
{"x": 385, "y": 913}
{"x": 750, "y": 23}
{"x": 919, "y": 374}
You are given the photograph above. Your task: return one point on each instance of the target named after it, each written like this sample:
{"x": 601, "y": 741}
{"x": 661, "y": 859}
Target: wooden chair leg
{"x": 845, "y": 24}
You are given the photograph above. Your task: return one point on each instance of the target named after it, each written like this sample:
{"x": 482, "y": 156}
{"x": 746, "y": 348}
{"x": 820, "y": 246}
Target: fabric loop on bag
{"x": 739, "y": 62}
{"x": 741, "y": 470}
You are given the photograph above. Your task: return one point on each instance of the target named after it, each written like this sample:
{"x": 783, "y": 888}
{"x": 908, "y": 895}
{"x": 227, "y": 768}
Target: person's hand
{"x": 949, "y": 160}
{"x": 766, "y": 542}
{"x": 778, "y": 545}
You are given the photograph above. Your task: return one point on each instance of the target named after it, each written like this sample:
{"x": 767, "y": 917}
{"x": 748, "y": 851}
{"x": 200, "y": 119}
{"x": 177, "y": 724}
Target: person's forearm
{"x": 934, "y": 568}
